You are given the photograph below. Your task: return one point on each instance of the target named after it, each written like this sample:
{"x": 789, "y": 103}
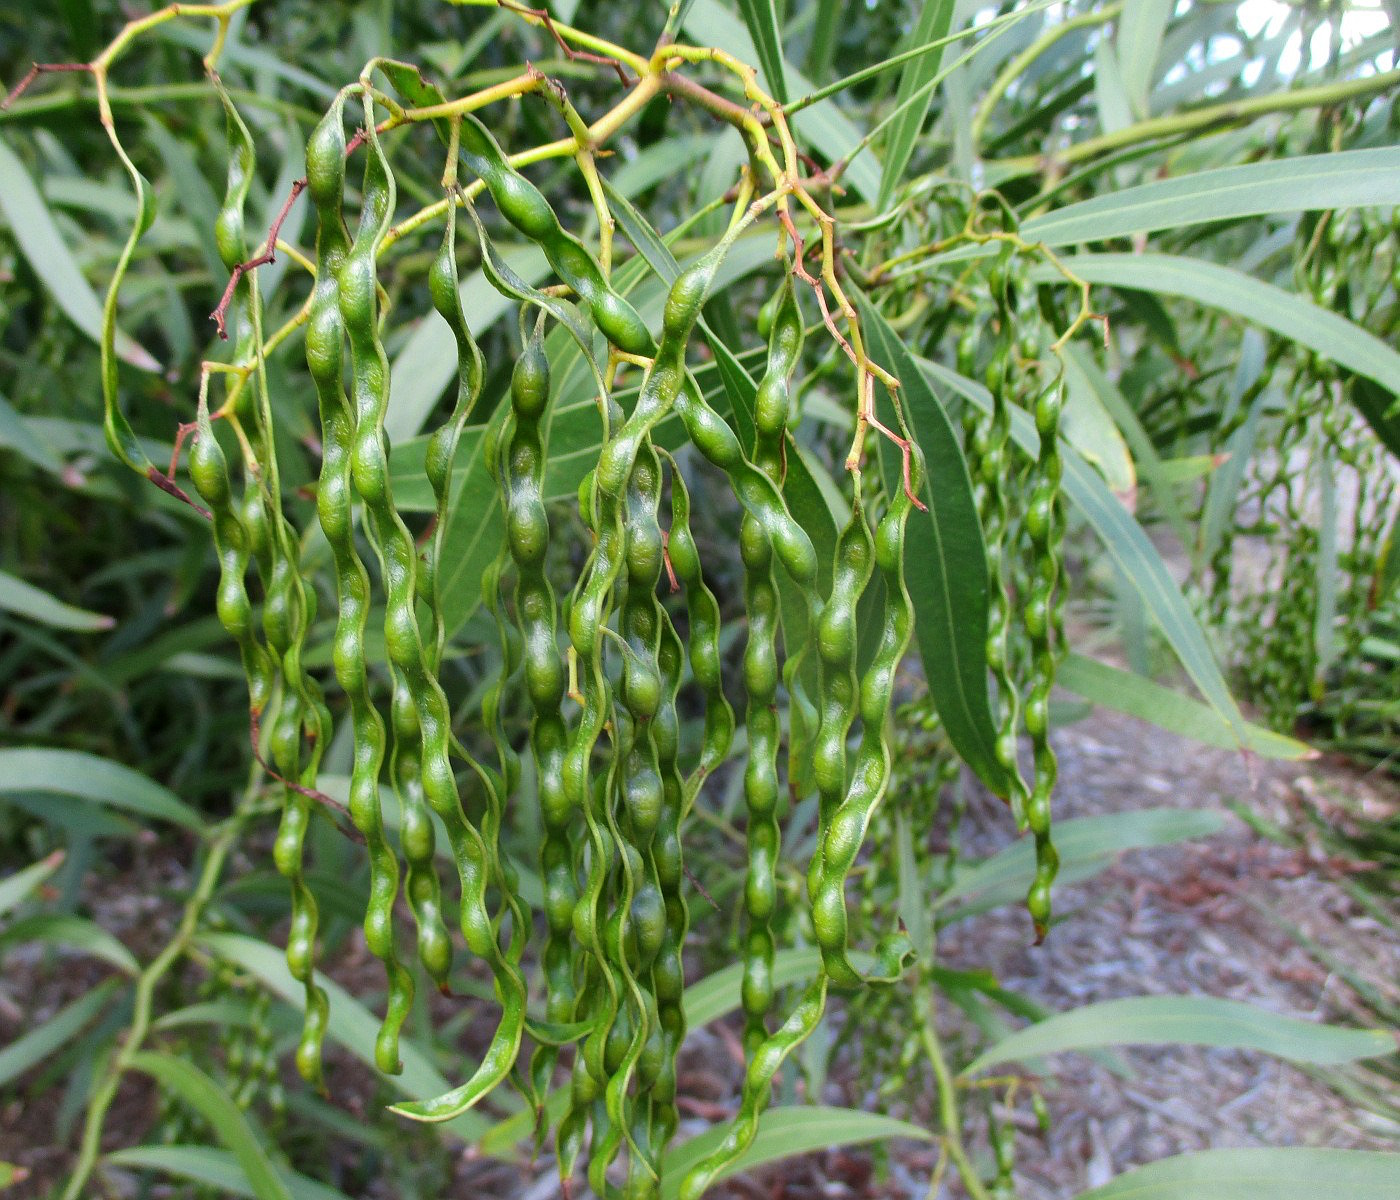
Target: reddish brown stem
{"x": 268, "y": 255}
{"x": 166, "y": 484}
{"x": 332, "y": 805}
{"x": 542, "y": 15}
{"x": 34, "y": 72}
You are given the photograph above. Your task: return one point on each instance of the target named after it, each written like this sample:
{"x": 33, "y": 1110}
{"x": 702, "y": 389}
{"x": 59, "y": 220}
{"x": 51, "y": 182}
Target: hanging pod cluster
{"x": 602, "y": 662}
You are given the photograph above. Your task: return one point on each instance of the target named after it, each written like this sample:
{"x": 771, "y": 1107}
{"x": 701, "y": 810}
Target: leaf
{"x": 1308, "y": 324}
{"x": 351, "y": 1024}
{"x": 945, "y": 564}
{"x": 217, "y": 1168}
{"x": 1126, "y": 692}
{"x": 1139, "y": 41}
{"x": 55, "y": 1033}
{"x": 786, "y": 1133}
{"x": 17, "y": 433}
{"x": 1284, "y": 1173}
{"x": 74, "y": 773}
{"x": 1130, "y": 548}
{"x": 762, "y": 19}
{"x": 1087, "y": 845}
{"x": 1380, "y": 411}
{"x": 229, "y": 1122}
{"x": 47, "y": 254}
{"x": 25, "y": 600}
{"x": 1187, "y": 1021}
{"x": 1349, "y": 178}
{"x": 75, "y": 933}
{"x": 17, "y": 887}
{"x": 1091, "y": 422}
{"x": 934, "y": 19}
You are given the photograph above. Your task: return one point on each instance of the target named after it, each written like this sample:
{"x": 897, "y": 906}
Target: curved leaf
{"x": 218, "y": 1168}
{"x": 786, "y": 1133}
{"x": 25, "y": 600}
{"x": 17, "y": 887}
{"x": 1187, "y": 1021}
{"x": 55, "y": 1033}
{"x": 229, "y": 1122}
{"x": 1125, "y": 692}
{"x": 75, "y": 933}
{"x": 43, "y": 247}
{"x": 74, "y": 773}
{"x": 1215, "y": 286}
{"x": 1307, "y": 181}
{"x": 945, "y": 563}
{"x": 1287, "y": 1173}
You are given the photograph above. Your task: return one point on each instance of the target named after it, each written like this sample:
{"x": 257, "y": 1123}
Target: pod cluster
{"x": 580, "y": 739}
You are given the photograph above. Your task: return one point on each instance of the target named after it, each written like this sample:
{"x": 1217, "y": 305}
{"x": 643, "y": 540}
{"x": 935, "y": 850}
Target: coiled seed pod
{"x": 335, "y": 501}
{"x": 476, "y": 858}
{"x": 1044, "y": 526}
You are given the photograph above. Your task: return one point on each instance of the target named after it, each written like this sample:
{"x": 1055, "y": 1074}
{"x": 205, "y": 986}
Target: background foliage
{"x": 1221, "y": 176}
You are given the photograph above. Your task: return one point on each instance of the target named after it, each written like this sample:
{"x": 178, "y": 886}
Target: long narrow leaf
{"x": 1349, "y": 178}
{"x": 1187, "y": 1021}
{"x": 946, "y": 565}
{"x": 44, "y": 249}
{"x": 25, "y": 600}
{"x": 1233, "y": 291}
{"x": 351, "y": 1024}
{"x": 55, "y": 1033}
{"x": 1126, "y": 692}
{"x": 762, "y": 19}
{"x": 218, "y": 1169}
{"x": 786, "y": 1133}
{"x": 1087, "y": 845}
{"x": 19, "y": 886}
{"x": 74, "y": 773}
{"x": 1286, "y": 1173}
{"x": 934, "y": 18}
{"x": 229, "y": 1122}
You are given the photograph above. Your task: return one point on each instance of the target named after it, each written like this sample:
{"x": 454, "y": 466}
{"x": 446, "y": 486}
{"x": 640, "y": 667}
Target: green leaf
{"x": 1187, "y": 1021}
{"x": 53, "y": 1034}
{"x": 1139, "y": 41}
{"x": 351, "y": 1024}
{"x": 945, "y": 565}
{"x": 1308, "y": 324}
{"x": 1093, "y": 419}
{"x": 1127, "y": 545}
{"x": 1126, "y": 692}
{"x": 1087, "y": 845}
{"x": 786, "y": 1133}
{"x": 74, "y": 773}
{"x": 762, "y": 19}
{"x": 75, "y": 933}
{"x": 1381, "y": 412}
{"x": 1349, "y": 178}
{"x": 1285, "y": 1173}
{"x": 17, "y": 887}
{"x": 217, "y": 1168}
{"x": 934, "y": 19}
{"x": 17, "y": 433}
{"x": 48, "y": 255}
{"x": 229, "y": 1122}
{"x": 35, "y": 604}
